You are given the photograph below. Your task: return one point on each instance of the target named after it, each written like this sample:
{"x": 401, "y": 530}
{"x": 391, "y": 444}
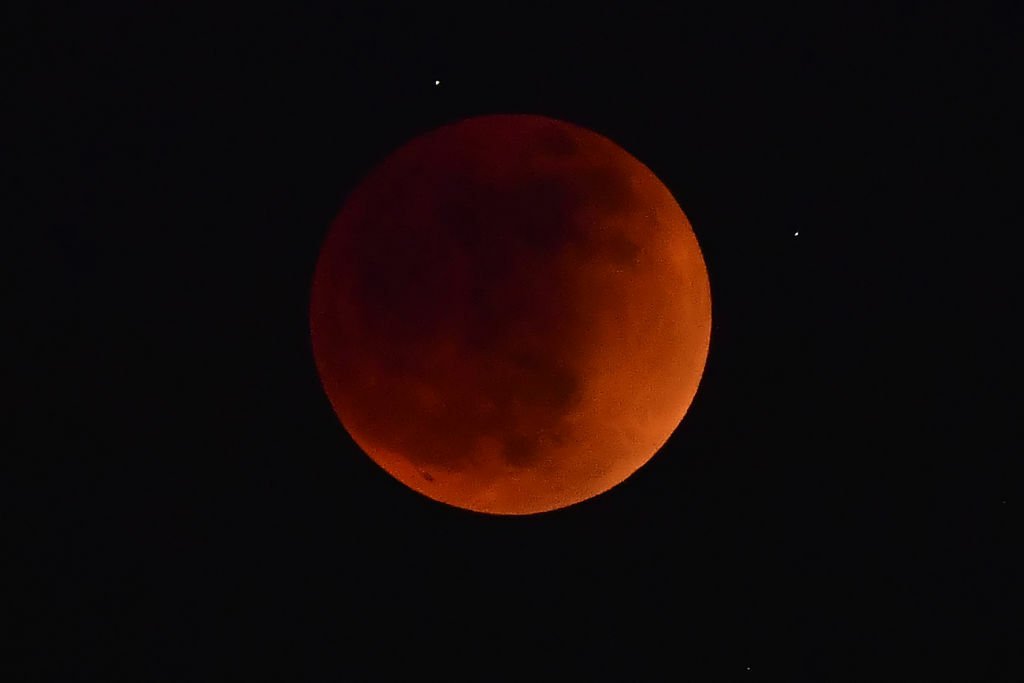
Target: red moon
{"x": 510, "y": 314}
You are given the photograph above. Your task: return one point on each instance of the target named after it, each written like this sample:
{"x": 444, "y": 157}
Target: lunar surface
{"x": 510, "y": 314}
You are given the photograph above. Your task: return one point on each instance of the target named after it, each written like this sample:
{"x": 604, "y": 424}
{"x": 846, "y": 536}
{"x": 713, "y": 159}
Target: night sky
{"x": 836, "y": 505}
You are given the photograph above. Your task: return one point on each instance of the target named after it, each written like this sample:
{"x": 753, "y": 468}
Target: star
{"x": 437, "y": 82}
{"x": 796, "y": 233}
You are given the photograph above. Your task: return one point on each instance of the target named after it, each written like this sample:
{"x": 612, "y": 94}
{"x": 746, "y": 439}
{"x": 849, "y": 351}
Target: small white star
{"x": 437, "y": 82}
{"x": 796, "y": 233}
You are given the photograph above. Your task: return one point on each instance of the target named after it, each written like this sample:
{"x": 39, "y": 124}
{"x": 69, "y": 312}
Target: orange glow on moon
{"x": 510, "y": 314}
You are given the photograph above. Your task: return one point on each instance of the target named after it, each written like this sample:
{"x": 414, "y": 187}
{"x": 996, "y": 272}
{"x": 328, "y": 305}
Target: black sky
{"x": 185, "y": 506}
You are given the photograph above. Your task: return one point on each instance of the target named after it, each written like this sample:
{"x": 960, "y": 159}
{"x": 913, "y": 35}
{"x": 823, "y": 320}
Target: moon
{"x": 510, "y": 314}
